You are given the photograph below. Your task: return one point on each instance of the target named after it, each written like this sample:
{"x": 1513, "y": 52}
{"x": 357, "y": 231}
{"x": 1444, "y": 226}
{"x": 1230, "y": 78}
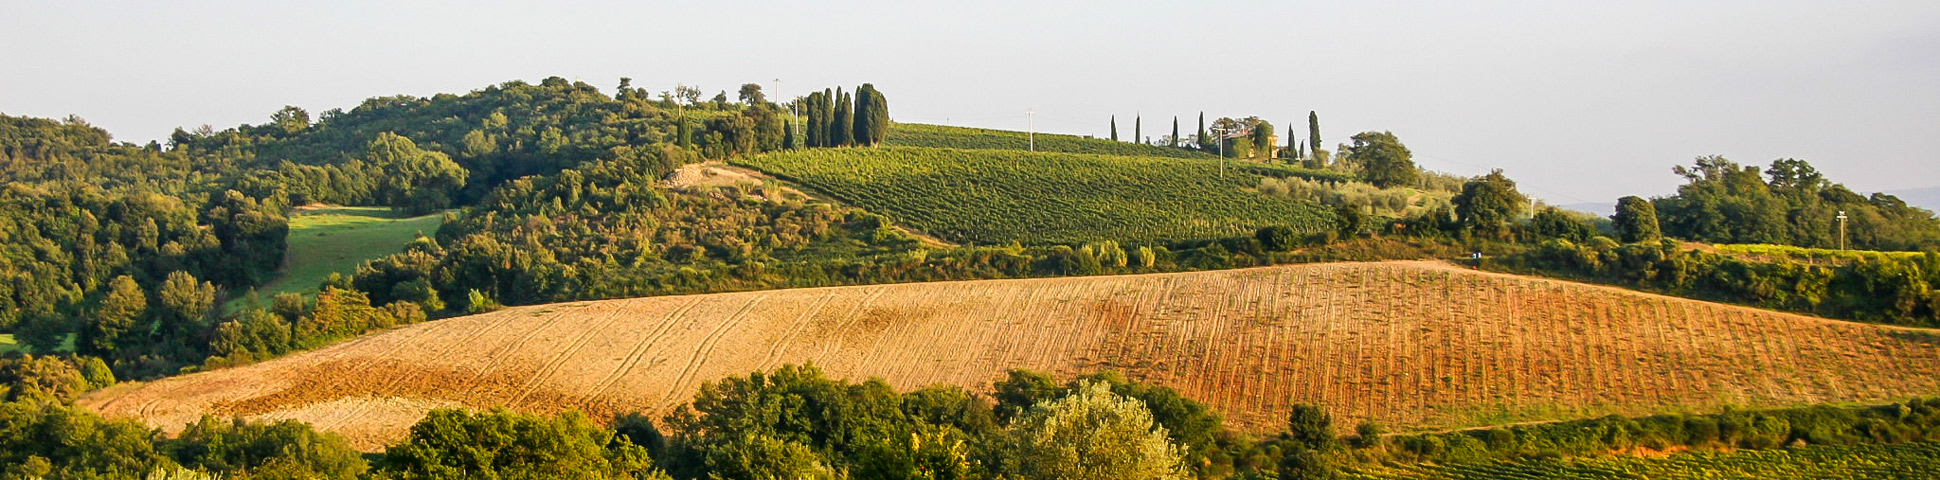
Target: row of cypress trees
{"x": 839, "y": 119}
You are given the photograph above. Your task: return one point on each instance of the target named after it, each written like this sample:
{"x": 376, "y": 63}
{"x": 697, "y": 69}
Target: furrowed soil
{"x": 1415, "y": 345}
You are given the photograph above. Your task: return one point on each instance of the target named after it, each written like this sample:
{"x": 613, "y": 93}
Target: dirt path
{"x": 715, "y": 173}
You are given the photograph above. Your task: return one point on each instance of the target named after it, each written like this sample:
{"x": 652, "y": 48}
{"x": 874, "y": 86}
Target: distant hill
{"x": 1599, "y": 208}
{"x": 1927, "y": 198}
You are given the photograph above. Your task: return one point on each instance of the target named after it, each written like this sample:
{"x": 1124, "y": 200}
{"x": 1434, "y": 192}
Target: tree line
{"x": 838, "y": 119}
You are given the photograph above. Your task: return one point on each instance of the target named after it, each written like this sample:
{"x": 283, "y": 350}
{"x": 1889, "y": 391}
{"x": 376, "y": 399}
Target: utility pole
{"x": 1030, "y": 128}
{"x": 1842, "y": 229}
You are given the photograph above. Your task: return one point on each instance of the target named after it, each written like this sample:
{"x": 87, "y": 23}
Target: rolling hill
{"x": 1416, "y": 345}
{"x": 987, "y": 196}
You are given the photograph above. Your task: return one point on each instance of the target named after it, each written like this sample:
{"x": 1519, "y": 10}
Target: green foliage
{"x": 919, "y": 135}
{"x": 1636, "y": 220}
{"x": 1392, "y": 202}
{"x": 1091, "y": 434}
{"x": 1790, "y": 204}
{"x": 1277, "y": 238}
{"x": 1552, "y": 222}
{"x": 1894, "y": 289}
{"x": 995, "y": 197}
{"x": 504, "y": 445}
{"x": 1487, "y": 203}
{"x": 43, "y": 440}
{"x": 1382, "y": 159}
{"x": 282, "y": 450}
{"x": 1530, "y": 448}
{"x": 795, "y": 422}
{"x": 294, "y": 324}
{"x": 48, "y": 378}
{"x": 416, "y": 182}
{"x": 1310, "y": 427}
{"x": 1855, "y": 462}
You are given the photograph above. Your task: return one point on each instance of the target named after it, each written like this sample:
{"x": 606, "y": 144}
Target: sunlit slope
{"x": 1416, "y": 345}
{"x": 337, "y": 239}
{"x": 1001, "y": 196}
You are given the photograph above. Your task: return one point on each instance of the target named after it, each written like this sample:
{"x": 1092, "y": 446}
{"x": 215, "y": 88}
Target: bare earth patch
{"x": 1416, "y": 345}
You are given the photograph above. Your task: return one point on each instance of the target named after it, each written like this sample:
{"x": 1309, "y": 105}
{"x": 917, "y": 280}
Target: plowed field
{"x": 1417, "y": 345}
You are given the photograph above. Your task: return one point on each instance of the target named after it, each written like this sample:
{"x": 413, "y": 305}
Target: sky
{"x": 1581, "y": 102}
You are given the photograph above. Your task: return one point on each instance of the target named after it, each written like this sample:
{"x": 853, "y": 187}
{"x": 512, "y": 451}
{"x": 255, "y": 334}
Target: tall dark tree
{"x": 1114, "y": 128}
{"x": 1175, "y": 131}
{"x": 860, "y": 131}
{"x": 871, "y": 116}
{"x": 1384, "y": 161}
{"x": 1263, "y": 139}
{"x": 1313, "y": 132}
{"x": 828, "y": 118}
{"x": 1138, "y": 129}
{"x": 1202, "y": 139}
{"x": 1636, "y": 220}
{"x": 815, "y": 137}
{"x": 1293, "y": 145}
{"x": 844, "y": 128}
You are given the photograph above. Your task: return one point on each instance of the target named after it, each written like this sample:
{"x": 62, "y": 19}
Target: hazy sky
{"x": 1580, "y": 101}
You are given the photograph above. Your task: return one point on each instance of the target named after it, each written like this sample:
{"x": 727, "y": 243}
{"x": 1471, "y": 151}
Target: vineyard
{"x": 1912, "y": 461}
{"x": 919, "y": 135}
{"x": 997, "y": 196}
{"x": 1415, "y": 345}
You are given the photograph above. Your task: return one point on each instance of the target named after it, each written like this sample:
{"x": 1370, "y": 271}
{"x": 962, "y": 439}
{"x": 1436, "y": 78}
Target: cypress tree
{"x": 872, "y": 116}
{"x": 1175, "y": 131}
{"x": 1138, "y": 129}
{"x": 1293, "y": 151}
{"x": 861, "y": 132}
{"x": 1313, "y": 131}
{"x": 844, "y": 128}
{"x": 882, "y": 114}
{"x": 685, "y": 138}
{"x": 828, "y": 118}
{"x": 812, "y": 106}
{"x": 1114, "y": 128}
{"x": 788, "y": 136}
{"x": 1202, "y": 133}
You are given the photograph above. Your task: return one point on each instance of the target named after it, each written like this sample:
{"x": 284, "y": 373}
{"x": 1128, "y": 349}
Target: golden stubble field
{"x": 1415, "y": 345}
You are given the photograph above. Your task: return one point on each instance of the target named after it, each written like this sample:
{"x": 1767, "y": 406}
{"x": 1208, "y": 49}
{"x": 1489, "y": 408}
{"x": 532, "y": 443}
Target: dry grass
{"x": 1417, "y": 345}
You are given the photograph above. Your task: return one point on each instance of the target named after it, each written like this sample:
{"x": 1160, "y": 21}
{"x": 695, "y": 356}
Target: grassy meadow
{"x": 337, "y": 239}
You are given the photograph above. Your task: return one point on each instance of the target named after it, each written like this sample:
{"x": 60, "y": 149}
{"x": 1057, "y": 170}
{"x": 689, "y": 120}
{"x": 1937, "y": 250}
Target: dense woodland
{"x": 116, "y": 259}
